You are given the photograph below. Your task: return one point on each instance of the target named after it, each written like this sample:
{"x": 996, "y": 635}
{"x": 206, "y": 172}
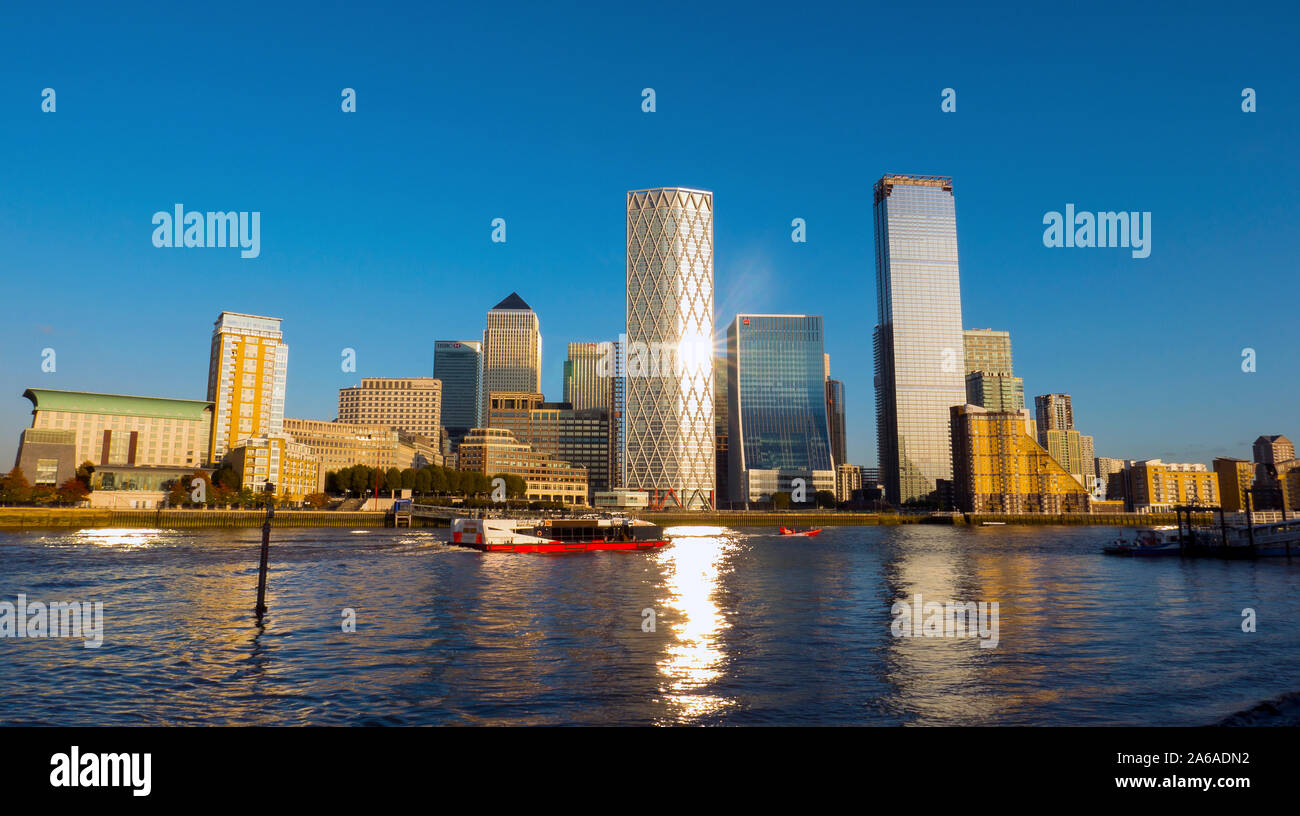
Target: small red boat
{"x": 808, "y": 533}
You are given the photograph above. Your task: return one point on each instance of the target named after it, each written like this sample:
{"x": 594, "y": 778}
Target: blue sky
{"x": 375, "y": 226}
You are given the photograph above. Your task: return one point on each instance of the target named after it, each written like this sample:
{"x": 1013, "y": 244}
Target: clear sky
{"x": 376, "y": 225}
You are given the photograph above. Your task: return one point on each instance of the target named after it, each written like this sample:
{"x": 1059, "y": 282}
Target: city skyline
{"x": 357, "y": 253}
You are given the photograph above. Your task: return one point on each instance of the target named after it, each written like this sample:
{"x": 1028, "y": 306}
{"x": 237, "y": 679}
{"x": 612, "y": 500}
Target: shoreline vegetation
{"x": 12, "y": 518}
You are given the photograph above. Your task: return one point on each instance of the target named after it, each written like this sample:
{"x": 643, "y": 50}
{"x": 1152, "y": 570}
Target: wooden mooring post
{"x": 266, "y": 551}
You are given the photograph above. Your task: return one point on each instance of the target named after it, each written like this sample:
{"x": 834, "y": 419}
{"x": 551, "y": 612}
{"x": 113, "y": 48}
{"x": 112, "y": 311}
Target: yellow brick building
{"x": 999, "y": 467}
{"x": 1235, "y": 477}
{"x": 291, "y": 466}
{"x": 1158, "y": 486}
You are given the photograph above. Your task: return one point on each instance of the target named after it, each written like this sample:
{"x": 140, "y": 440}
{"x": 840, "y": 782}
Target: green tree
{"x": 422, "y": 482}
{"x": 408, "y": 479}
{"x": 438, "y": 480}
{"x": 226, "y": 477}
{"x": 454, "y": 478}
{"x": 393, "y": 479}
{"x": 825, "y": 498}
{"x": 780, "y": 501}
{"x": 516, "y": 487}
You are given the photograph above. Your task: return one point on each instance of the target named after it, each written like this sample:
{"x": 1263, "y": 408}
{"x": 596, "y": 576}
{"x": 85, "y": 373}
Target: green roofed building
{"x": 117, "y": 430}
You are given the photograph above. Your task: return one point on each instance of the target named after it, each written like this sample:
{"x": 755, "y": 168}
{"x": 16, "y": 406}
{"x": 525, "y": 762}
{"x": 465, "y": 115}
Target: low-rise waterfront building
{"x": 494, "y": 451}
{"x": 290, "y": 466}
{"x": 580, "y": 437}
{"x": 113, "y": 429}
{"x": 1157, "y": 487}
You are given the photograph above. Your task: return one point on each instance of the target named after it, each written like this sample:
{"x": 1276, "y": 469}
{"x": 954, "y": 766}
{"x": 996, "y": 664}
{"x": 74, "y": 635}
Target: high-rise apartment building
{"x": 670, "y": 437}
{"x": 987, "y": 350}
{"x": 512, "y": 349}
{"x": 247, "y": 369}
{"x": 458, "y": 365}
{"x": 998, "y": 467}
{"x": 990, "y": 381}
{"x": 1053, "y": 413}
{"x": 918, "y": 343}
{"x": 995, "y": 392}
{"x": 776, "y": 405}
{"x": 1235, "y": 477}
{"x": 1269, "y": 450}
{"x": 411, "y": 404}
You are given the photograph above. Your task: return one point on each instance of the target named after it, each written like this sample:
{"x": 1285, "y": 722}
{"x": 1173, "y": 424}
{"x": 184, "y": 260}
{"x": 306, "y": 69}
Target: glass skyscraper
{"x": 459, "y": 364}
{"x": 776, "y": 395}
{"x": 669, "y": 435}
{"x": 918, "y": 348}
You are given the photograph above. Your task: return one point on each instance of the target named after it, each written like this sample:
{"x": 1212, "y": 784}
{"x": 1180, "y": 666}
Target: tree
{"x": 316, "y": 500}
{"x": 73, "y": 491}
{"x": 408, "y": 479}
{"x": 178, "y": 496}
{"x": 437, "y": 479}
{"x": 422, "y": 481}
{"x": 227, "y": 477}
{"x": 454, "y": 480}
{"x": 86, "y": 475}
{"x": 825, "y": 498}
{"x": 780, "y": 501}
{"x": 516, "y": 487}
{"x": 14, "y": 488}
{"x": 362, "y": 479}
{"x": 44, "y": 495}
{"x": 332, "y": 484}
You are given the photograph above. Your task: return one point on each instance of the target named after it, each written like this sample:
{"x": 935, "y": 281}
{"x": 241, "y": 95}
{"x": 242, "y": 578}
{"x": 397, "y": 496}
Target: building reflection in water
{"x": 693, "y": 659}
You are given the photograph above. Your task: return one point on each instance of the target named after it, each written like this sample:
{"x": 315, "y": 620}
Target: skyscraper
{"x": 990, "y": 382}
{"x": 987, "y": 350}
{"x": 835, "y": 416}
{"x": 1054, "y": 413}
{"x": 247, "y": 369}
{"x": 584, "y": 385}
{"x": 459, "y": 365}
{"x": 776, "y": 405}
{"x": 918, "y": 348}
{"x": 668, "y": 423}
{"x": 512, "y": 350}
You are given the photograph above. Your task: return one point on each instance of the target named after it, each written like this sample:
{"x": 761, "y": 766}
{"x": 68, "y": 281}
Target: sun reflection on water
{"x": 693, "y": 659}
{"x": 126, "y": 539}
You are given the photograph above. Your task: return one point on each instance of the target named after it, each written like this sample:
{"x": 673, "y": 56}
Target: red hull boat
{"x": 786, "y": 531}
{"x": 556, "y": 535}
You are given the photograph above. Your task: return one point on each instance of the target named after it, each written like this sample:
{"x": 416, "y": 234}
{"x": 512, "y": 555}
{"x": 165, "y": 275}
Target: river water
{"x": 747, "y": 628}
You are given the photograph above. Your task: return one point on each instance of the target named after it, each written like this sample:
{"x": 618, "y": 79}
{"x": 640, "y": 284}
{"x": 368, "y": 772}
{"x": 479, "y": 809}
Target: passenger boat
{"x": 786, "y": 531}
{"x": 556, "y": 535}
{"x": 1149, "y": 541}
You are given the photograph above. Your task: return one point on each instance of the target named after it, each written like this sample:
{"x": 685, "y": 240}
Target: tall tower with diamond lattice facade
{"x": 669, "y": 430}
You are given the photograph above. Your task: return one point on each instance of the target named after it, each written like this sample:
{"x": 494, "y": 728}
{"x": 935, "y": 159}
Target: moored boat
{"x": 556, "y": 535}
{"x": 1149, "y": 541}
